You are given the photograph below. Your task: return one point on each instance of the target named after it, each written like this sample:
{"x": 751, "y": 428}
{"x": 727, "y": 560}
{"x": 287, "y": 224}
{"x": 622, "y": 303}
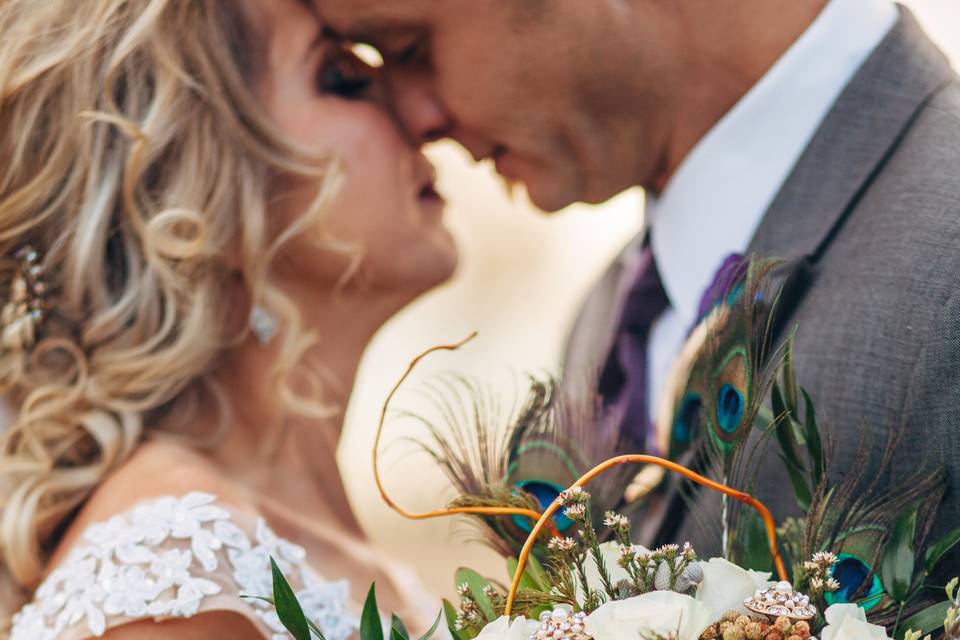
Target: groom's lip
{"x": 500, "y": 160}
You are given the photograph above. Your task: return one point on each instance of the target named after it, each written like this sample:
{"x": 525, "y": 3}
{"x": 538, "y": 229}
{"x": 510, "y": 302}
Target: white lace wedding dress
{"x": 178, "y": 557}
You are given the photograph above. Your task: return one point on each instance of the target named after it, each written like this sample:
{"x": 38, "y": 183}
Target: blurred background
{"x": 522, "y": 277}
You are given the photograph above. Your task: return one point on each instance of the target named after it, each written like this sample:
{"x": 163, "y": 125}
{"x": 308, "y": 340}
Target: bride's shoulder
{"x": 166, "y": 546}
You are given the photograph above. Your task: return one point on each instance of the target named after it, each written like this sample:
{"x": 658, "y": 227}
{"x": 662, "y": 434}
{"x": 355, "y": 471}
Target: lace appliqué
{"x": 154, "y": 562}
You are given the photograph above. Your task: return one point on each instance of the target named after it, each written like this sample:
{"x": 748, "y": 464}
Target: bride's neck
{"x": 286, "y": 458}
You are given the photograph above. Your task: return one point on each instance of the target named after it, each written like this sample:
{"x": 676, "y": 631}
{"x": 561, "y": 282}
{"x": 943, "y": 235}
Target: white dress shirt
{"x": 715, "y": 201}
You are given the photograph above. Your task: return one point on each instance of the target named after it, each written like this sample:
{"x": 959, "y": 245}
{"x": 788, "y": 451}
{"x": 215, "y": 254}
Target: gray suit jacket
{"x": 872, "y": 211}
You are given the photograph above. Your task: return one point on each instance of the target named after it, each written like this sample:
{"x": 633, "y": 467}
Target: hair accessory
{"x": 26, "y": 305}
{"x": 263, "y": 324}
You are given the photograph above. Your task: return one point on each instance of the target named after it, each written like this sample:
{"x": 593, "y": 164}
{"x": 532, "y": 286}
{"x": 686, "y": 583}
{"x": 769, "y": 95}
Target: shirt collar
{"x": 715, "y": 201}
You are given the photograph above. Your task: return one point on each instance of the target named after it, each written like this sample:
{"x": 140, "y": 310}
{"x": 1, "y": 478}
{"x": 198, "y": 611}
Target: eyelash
{"x": 411, "y": 53}
{"x": 332, "y": 79}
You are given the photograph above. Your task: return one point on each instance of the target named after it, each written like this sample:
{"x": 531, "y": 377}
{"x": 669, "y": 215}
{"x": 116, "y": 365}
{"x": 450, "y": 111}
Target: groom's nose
{"x": 419, "y": 109}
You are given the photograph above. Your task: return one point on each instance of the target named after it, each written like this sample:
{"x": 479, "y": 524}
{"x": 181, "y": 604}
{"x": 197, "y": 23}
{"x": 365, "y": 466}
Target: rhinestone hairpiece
{"x": 26, "y": 306}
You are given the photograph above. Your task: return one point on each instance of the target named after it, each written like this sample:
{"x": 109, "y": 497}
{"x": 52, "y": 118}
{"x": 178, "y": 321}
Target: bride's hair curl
{"x": 136, "y": 159}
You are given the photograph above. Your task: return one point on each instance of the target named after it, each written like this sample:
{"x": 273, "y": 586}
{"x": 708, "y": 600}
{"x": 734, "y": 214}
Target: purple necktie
{"x": 623, "y": 379}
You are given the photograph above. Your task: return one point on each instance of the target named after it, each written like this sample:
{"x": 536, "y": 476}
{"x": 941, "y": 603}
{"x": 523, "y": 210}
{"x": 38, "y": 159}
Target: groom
{"x": 825, "y": 133}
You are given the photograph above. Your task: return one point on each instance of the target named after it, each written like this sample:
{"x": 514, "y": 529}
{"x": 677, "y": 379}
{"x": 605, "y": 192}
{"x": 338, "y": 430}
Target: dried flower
{"x": 573, "y": 495}
{"x": 575, "y": 511}
{"x": 615, "y": 520}
{"x": 562, "y": 544}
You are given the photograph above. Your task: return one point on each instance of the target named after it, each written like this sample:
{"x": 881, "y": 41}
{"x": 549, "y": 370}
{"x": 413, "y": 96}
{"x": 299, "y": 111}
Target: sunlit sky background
{"x": 521, "y": 280}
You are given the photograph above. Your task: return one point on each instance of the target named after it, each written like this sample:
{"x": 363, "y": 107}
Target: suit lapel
{"x": 595, "y": 330}
{"x": 851, "y": 146}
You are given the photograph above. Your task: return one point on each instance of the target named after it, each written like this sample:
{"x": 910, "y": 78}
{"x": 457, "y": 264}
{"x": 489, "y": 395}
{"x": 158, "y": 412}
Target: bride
{"x": 205, "y": 215}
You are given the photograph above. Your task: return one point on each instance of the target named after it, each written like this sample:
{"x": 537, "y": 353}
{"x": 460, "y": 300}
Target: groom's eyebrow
{"x": 367, "y": 29}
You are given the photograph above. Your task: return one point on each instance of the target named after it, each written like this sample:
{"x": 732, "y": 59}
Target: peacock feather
{"x": 520, "y": 455}
{"x": 722, "y": 376}
{"x": 856, "y": 509}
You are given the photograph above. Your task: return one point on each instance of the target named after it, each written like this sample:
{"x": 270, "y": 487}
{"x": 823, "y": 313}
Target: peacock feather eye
{"x": 544, "y": 493}
{"x": 687, "y": 417}
{"x": 851, "y": 572}
{"x": 729, "y": 408}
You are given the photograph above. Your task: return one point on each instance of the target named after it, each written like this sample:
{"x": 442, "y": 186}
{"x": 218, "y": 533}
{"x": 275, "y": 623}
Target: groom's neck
{"x": 725, "y": 48}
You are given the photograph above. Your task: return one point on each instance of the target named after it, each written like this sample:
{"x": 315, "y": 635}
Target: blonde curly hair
{"x": 135, "y": 157}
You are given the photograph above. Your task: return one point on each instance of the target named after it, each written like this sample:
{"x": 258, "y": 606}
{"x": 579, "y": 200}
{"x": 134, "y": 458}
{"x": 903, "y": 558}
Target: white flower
{"x": 503, "y": 629}
{"x": 654, "y": 613}
{"x": 725, "y": 586}
{"x": 849, "y": 622}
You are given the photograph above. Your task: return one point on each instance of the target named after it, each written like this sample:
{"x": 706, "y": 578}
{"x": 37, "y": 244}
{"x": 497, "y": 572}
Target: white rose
{"x": 503, "y": 629}
{"x": 725, "y": 586}
{"x": 849, "y": 622}
{"x": 657, "y": 612}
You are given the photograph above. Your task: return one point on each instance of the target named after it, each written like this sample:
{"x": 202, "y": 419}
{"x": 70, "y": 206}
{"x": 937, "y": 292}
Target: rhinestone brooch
{"x": 561, "y": 624}
{"x": 781, "y": 600}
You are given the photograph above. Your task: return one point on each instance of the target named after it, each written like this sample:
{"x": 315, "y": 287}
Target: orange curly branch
{"x": 438, "y": 513}
{"x": 669, "y": 465}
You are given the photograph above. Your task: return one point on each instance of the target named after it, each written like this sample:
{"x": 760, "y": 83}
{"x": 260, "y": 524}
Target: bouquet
{"x": 550, "y": 493}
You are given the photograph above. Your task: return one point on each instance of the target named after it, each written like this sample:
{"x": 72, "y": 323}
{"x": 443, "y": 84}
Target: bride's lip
{"x": 432, "y": 203}
{"x": 429, "y": 192}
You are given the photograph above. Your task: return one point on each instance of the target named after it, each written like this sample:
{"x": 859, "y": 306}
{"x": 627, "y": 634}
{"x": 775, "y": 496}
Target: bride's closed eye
{"x": 342, "y": 74}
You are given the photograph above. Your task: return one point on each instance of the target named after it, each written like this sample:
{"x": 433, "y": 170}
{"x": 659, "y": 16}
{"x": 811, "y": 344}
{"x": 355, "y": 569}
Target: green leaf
{"x": 433, "y": 629}
{"x": 763, "y": 419}
{"x": 370, "y": 626}
{"x": 939, "y": 549}
{"x": 925, "y": 621}
{"x": 800, "y": 489}
{"x": 450, "y": 614}
{"x": 288, "y": 608}
{"x": 784, "y": 429}
{"x": 526, "y": 580}
{"x": 752, "y": 548}
{"x": 398, "y": 630}
{"x": 476, "y": 583}
{"x": 789, "y": 379}
{"x": 538, "y": 573}
{"x": 897, "y": 564}
{"x": 812, "y": 432}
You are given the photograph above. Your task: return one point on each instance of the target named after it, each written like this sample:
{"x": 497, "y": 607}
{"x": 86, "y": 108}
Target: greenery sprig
{"x": 295, "y": 621}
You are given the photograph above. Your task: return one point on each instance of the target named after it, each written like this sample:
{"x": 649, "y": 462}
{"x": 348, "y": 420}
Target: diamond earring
{"x": 263, "y": 324}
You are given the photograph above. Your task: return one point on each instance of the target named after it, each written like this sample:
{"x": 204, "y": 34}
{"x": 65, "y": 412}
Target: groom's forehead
{"x": 371, "y": 17}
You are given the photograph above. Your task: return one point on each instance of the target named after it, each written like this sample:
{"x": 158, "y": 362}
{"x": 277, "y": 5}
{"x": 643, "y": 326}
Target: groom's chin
{"x": 546, "y": 197}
